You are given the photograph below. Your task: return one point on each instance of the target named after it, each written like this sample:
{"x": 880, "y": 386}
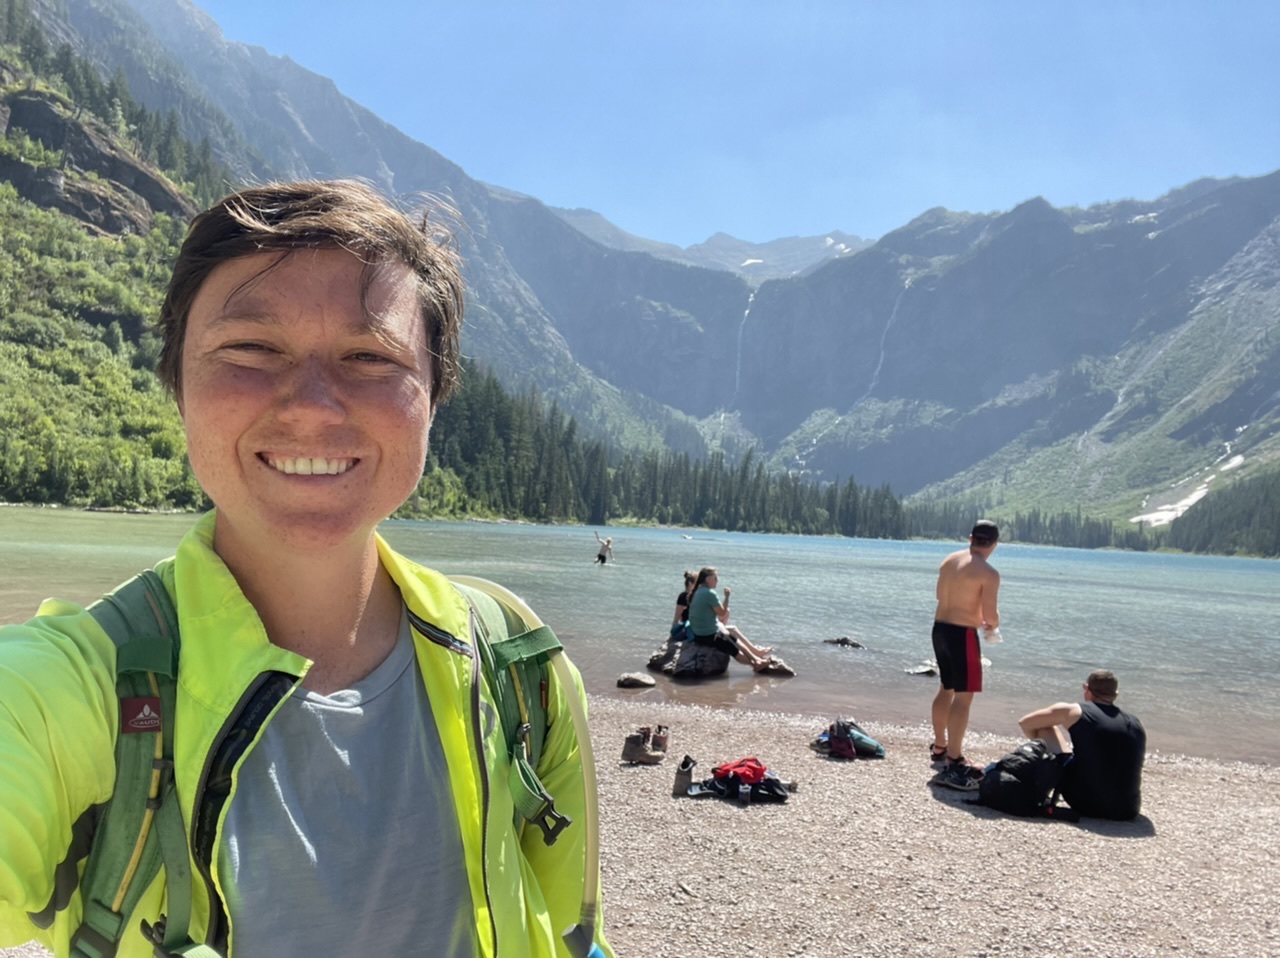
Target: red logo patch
{"x": 139, "y": 715}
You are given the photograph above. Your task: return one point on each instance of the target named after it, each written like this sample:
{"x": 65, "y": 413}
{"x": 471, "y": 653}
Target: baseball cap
{"x": 985, "y": 531}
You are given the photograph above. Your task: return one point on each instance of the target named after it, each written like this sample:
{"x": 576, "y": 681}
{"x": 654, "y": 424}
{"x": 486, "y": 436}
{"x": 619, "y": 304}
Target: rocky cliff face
{"x": 97, "y": 182}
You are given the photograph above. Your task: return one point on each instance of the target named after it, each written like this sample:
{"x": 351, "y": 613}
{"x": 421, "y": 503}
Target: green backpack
{"x": 129, "y": 837}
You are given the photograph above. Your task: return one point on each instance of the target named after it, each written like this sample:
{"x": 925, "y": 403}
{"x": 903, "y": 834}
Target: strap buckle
{"x": 155, "y": 935}
{"x": 534, "y": 803}
{"x": 551, "y": 822}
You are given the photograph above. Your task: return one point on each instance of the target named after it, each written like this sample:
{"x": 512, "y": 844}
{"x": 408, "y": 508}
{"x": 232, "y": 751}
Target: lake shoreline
{"x": 1191, "y": 638}
{"x": 638, "y": 524}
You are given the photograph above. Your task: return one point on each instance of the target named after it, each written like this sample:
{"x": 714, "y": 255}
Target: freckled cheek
{"x": 411, "y": 403}
{"x": 215, "y": 413}
{"x": 409, "y": 416}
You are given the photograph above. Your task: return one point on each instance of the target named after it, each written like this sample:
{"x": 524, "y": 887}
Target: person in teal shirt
{"x": 709, "y": 622}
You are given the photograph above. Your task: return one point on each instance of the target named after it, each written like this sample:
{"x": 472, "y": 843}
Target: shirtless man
{"x": 606, "y": 549}
{"x": 967, "y": 589}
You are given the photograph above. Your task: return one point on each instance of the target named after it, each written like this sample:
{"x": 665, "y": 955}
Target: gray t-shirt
{"x": 342, "y": 838}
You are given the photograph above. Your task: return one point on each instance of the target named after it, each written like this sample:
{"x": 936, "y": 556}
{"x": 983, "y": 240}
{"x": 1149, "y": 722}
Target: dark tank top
{"x": 682, "y": 602}
{"x": 1104, "y": 779}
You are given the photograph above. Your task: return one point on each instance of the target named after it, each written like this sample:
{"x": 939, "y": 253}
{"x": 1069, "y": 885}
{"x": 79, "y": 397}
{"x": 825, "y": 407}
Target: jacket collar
{"x": 224, "y": 642}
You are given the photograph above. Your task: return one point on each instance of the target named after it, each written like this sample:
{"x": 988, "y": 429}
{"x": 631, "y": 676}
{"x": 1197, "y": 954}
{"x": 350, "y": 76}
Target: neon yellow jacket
{"x": 59, "y": 719}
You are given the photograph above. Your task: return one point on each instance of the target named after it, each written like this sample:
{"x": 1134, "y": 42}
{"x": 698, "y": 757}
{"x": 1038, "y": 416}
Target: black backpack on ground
{"x": 1026, "y": 782}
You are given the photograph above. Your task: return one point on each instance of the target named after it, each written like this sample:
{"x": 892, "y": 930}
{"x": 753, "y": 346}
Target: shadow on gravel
{"x": 1140, "y": 827}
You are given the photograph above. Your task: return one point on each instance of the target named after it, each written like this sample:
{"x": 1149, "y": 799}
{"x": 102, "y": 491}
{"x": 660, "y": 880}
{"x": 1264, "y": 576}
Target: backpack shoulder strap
{"x": 514, "y": 660}
{"x": 140, "y": 827}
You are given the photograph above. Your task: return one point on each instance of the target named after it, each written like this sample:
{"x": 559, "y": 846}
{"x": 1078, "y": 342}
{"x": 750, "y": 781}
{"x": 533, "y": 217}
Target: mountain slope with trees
{"x": 85, "y": 422}
{"x": 1027, "y": 357}
{"x": 1030, "y": 363}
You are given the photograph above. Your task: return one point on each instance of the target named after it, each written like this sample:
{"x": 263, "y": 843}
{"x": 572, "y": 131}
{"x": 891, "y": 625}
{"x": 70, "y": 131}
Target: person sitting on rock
{"x": 680, "y": 621}
{"x": 709, "y": 620}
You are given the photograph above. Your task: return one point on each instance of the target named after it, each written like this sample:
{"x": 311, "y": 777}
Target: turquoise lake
{"x": 1193, "y": 639}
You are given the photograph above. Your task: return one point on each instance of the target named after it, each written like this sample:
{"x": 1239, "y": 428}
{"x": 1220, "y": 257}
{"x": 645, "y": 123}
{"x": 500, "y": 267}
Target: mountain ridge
{"x": 1043, "y": 338}
{"x": 755, "y": 262}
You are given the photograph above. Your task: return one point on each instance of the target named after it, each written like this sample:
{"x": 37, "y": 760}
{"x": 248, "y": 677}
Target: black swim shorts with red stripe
{"x": 959, "y": 661}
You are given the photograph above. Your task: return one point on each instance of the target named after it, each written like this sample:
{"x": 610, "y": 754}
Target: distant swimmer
{"x": 606, "y": 549}
{"x": 967, "y": 591}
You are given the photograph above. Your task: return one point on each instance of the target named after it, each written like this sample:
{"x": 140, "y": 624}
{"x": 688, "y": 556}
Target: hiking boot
{"x": 684, "y": 778}
{"x": 660, "y": 739}
{"x": 636, "y": 751}
{"x": 973, "y": 771}
{"x": 957, "y": 776}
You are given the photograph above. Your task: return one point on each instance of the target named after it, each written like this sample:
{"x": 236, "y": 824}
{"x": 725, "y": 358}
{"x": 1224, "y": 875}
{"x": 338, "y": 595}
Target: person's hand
{"x": 727, "y": 592}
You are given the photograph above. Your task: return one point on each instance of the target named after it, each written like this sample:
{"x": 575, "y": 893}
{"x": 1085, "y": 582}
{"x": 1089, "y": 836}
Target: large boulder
{"x": 687, "y": 660}
{"x": 699, "y": 662}
{"x": 664, "y": 660}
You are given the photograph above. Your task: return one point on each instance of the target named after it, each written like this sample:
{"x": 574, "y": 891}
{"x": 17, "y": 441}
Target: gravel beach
{"x": 867, "y": 860}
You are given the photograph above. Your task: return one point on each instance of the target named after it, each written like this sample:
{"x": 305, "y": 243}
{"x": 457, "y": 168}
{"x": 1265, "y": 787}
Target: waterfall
{"x": 884, "y": 335}
{"x": 737, "y": 369}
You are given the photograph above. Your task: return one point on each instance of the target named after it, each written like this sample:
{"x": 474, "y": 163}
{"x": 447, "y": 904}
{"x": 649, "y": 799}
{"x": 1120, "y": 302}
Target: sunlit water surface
{"x": 1193, "y": 639}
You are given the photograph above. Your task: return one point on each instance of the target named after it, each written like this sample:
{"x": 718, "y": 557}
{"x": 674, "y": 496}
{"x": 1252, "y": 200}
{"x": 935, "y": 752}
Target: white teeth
{"x": 311, "y": 466}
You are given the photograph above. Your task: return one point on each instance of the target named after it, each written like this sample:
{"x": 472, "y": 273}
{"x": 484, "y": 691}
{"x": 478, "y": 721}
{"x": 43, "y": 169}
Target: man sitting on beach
{"x": 967, "y": 589}
{"x": 1104, "y": 777}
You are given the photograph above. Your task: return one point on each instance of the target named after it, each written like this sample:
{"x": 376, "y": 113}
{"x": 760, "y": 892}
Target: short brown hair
{"x": 321, "y": 214}
{"x": 1103, "y": 684}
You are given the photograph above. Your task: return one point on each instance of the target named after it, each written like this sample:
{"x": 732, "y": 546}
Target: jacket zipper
{"x": 484, "y": 784}
{"x": 450, "y": 642}
{"x": 217, "y": 908}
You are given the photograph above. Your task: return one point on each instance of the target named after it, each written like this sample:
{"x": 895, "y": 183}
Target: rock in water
{"x": 845, "y": 642}
{"x": 699, "y": 662}
{"x": 635, "y": 680}
{"x": 777, "y": 666}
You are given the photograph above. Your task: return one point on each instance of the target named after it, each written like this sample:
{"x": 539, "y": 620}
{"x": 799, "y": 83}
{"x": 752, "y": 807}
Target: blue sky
{"x": 677, "y": 119}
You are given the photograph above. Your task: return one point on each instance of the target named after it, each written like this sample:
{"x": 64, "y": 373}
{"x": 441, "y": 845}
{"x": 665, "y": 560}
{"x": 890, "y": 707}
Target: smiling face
{"x": 306, "y": 405}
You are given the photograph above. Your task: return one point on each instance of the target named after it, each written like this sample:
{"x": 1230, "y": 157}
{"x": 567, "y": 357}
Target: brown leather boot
{"x": 660, "y": 738}
{"x": 637, "y": 751}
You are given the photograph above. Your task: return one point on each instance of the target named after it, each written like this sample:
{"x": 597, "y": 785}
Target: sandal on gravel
{"x": 937, "y": 753}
